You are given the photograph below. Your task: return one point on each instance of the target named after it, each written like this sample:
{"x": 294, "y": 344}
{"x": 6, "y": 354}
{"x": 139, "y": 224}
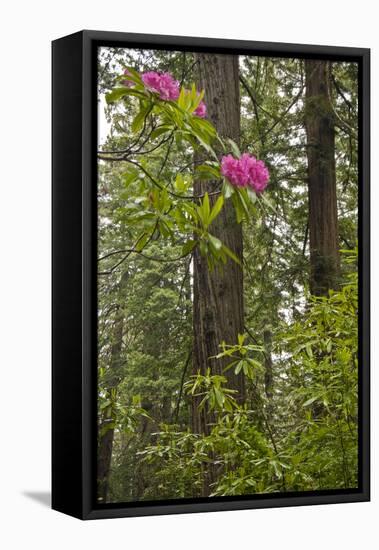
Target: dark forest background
{"x": 274, "y": 409}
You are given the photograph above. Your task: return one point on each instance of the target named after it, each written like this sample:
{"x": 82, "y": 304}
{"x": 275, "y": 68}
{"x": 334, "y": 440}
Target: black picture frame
{"x": 74, "y": 136}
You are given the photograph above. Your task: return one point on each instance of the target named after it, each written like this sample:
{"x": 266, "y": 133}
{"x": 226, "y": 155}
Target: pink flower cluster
{"x": 245, "y": 171}
{"x": 201, "y": 110}
{"x": 162, "y": 83}
{"x": 166, "y": 86}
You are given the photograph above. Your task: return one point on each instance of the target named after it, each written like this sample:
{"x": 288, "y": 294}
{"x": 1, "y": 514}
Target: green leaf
{"x": 182, "y": 99}
{"x": 116, "y": 94}
{"x": 206, "y": 172}
{"x": 235, "y": 149}
{"x": 220, "y": 397}
{"x": 206, "y": 209}
{"x": 160, "y": 131}
{"x": 195, "y": 98}
{"x": 135, "y": 74}
{"x": 239, "y": 367}
{"x": 130, "y": 176}
{"x": 227, "y": 189}
{"x": 105, "y": 404}
{"x": 140, "y": 118}
{"x": 215, "y": 242}
{"x": 310, "y": 401}
{"x": 188, "y": 247}
{"x": 216, "y": 208}
{"x": 141, "y": 242}
{"x": 251, "y": 194}
{"x": 231, "y": 254}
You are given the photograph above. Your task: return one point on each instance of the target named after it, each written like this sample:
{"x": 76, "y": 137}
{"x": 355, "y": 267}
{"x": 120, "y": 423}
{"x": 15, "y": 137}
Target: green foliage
{"x": 318, "y": 451}
{"x": 211, "y": 387}
{"x": 295, "y": 433}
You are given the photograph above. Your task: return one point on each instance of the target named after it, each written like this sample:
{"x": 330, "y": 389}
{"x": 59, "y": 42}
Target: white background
{"x": 26, "y": 31}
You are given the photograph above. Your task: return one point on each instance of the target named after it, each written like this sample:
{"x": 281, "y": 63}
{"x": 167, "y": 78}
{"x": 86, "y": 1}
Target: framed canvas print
{"x": 210, "y": 274}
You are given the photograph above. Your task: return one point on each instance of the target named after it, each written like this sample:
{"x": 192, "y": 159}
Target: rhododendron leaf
{"x": 231, "y": 254}
{"x": 205, "y": 127}
{"x": 130, "y": 176}
{"x": 239, "y": 367}
{"x": 164, "y": 229}
{"x": 116, "y": 94}
{"x": 160, "y": 130}
{"x": 193, "y": 92}
{"x": 205, "y": 172}
{"x": 230, "y": 365}
{"x": 140, "y": 118}
{"x": 220, "y": 397}
{"x": 142, "y": 242}
{"x": 196, "y": 98}
{"x": 308, "y": 349}
{"x": 240, "y": 205}
{"x": 254, "y": 363}
{"x": 188, "y": 247}
{"x": 310, "y": 401}
{"x": 216, "y": 208}
{"x": 206, "y": 209}
{"x": 203, "y": 248}
{"x": 207, "y": 147}
{"x": 132, "y": 72}
{"x": 227, "y": 189}
{"x": 183, "y": 98}
{"x": 235, "y": 149}
{"x": 252, "y": 194}
{"x": 215, "y": 242}
{"x": 179, "y": 183}
{"x": 241, "y": 339}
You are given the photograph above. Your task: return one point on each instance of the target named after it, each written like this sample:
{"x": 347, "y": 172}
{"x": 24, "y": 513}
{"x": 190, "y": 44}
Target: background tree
{"x": 323, "y": 221}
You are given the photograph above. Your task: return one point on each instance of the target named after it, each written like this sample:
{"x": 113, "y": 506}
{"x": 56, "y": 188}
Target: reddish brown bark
{"x": 218, "y": 294}
{"x": 323, "y": 221}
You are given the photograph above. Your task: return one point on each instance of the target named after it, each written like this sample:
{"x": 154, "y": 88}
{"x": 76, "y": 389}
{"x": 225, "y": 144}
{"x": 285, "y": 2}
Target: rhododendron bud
{"x": 162, "y": 83}
{"x": 245, "y": 171}
{"x": 201, "y": 110}
{"x": 127, "y": 82}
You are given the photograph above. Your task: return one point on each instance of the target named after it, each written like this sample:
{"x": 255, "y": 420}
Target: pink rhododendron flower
{"x": 201, "y": 110}
{"x": 259, "y": 176}
{"x": 127, "y": 82}
{"x": 162, "y": 83}
{"x": 245, "y": 171}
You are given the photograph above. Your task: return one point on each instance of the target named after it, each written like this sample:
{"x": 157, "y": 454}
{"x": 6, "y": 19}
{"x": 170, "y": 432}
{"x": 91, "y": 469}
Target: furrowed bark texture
{"x": 218, "y": 294}
{"x": 323, "y": 221}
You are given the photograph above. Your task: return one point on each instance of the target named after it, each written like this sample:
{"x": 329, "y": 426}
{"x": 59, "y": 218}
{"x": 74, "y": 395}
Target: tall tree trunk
{"x": 106, "y": 427}
{"x": 323, "y": 221}
{"x": 218, "y": 295}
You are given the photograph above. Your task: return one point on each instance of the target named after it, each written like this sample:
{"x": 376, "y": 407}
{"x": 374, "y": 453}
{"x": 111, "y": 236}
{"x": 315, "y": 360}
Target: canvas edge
{"x": 84, "y": 508}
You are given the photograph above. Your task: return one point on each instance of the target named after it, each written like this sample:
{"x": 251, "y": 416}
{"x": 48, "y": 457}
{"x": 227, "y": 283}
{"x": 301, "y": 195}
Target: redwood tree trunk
{"x": 323, "y": 221}
{"x": 106, "y": 426}
{"x": 218, "y": 295}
